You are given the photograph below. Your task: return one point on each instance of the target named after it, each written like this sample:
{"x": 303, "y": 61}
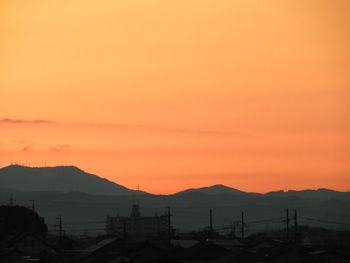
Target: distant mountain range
{"x": 83, "y": 197}
{"x": 219, "y": 189}
{"x": 59, "y": 179}
{"x": 214, "y": 190}
{"x": 72, "y": 179}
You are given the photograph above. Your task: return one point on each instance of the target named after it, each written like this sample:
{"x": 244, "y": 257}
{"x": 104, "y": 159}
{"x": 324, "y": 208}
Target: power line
{"x": 324, "y": 221}
{"x": 246, "y": 226}
{"x": 267, "y": 222}
{"x": 264, "y": 220}
{"x": 82, "y": 223}
{"x": 82, "y": 229}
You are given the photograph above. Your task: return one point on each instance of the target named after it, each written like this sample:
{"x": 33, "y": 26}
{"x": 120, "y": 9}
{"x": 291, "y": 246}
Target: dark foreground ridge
{"x": 24, "y": 238}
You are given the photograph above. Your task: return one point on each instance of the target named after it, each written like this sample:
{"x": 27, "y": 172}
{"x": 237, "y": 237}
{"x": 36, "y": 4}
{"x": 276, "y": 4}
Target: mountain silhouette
{"x": 58, "y": 179}
{"x": 82, "y": 197}
{"x": 219, "y": 189}
{"x": 73, "y": 179}
{"x": 189, "y": 211}
{"x": 214, "y": 190}
{"x": 321, "y": 193}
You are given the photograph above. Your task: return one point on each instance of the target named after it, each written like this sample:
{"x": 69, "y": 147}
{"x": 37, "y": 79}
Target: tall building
{"x": 137, "y": 225}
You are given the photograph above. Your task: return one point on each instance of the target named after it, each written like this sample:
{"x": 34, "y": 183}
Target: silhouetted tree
{"x": 18, "y": 219}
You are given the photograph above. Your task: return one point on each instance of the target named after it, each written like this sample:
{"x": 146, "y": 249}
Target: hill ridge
{"x": 59, "y": 178}
{"x": 51, "y": 178}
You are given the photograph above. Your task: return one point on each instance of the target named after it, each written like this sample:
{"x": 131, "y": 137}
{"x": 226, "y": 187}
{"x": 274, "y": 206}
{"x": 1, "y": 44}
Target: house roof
{"x": 184, "y": 243}
{"x": 203, "y": 250}
{"x": 240, "y": 256}
{"x": 101, "y": 244}
{"x": 22, "y": 236}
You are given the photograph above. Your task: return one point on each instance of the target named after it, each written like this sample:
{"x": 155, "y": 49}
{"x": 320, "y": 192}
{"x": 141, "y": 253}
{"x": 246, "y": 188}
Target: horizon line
{"x": 186, "y": 189}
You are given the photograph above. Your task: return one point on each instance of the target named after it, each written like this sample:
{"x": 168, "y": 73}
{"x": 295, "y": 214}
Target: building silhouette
{"x": 137, "y": 225}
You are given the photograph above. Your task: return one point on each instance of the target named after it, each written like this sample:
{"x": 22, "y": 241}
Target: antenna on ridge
{"x": 33, "y": 205}
{"x": 134, "y": 195}
{"x": 11, "y": 200}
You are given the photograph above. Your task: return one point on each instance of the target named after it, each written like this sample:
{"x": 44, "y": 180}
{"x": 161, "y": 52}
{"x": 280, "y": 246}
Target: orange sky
{"x": 175, "y": 94}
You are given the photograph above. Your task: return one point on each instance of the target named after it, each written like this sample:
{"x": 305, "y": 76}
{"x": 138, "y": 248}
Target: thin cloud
{"x": 59, "y": 148}
{"x": 26, "y": 148}
{"x": 16, "y": 121}
{"x": 134, "y": 127}
{"x": 167, "y": 129}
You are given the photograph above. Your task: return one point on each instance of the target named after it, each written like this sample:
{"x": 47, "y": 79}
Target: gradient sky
{"x": 176, "y": 94}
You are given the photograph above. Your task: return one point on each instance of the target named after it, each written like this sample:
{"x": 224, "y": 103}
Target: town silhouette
{"x": 212, "y": 224}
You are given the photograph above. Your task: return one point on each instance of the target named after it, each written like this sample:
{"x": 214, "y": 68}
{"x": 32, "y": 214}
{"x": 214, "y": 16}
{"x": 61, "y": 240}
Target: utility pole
{"x": 211, "y": 219}
{"x": 12, "y": 200}
{"x": 169, "y": 221}
{"x": 295, "y": 225}
{"x": 60, "y": 232}
{"x": 234, "y": 229}
{"x": 124, "y": 229}
{"x": 33, "y": 205}
{"x": 31, "y": 219}
{"x": 287, "y": 223}
{"x": 242, "y": 225}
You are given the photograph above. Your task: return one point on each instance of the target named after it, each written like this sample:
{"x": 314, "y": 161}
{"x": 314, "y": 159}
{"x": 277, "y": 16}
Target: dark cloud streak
{"x": 15, "y": 121}
{"x": 136, "y": 127}
{"x": 26, "y": 148}
{"x": 59, "y": 148}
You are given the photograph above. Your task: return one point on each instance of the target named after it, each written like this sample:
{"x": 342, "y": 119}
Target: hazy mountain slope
{"x": 59, "y": 178}
{"x": 322, "y": 193}
{"x": 82, "y": 211}
{"x": 214, "y": 190}
{"x": 72, "y": 179}
{"x": 219, "y": 189}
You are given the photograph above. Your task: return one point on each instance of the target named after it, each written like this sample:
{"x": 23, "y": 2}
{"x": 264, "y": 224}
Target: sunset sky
{"x": 174, "y": 94}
